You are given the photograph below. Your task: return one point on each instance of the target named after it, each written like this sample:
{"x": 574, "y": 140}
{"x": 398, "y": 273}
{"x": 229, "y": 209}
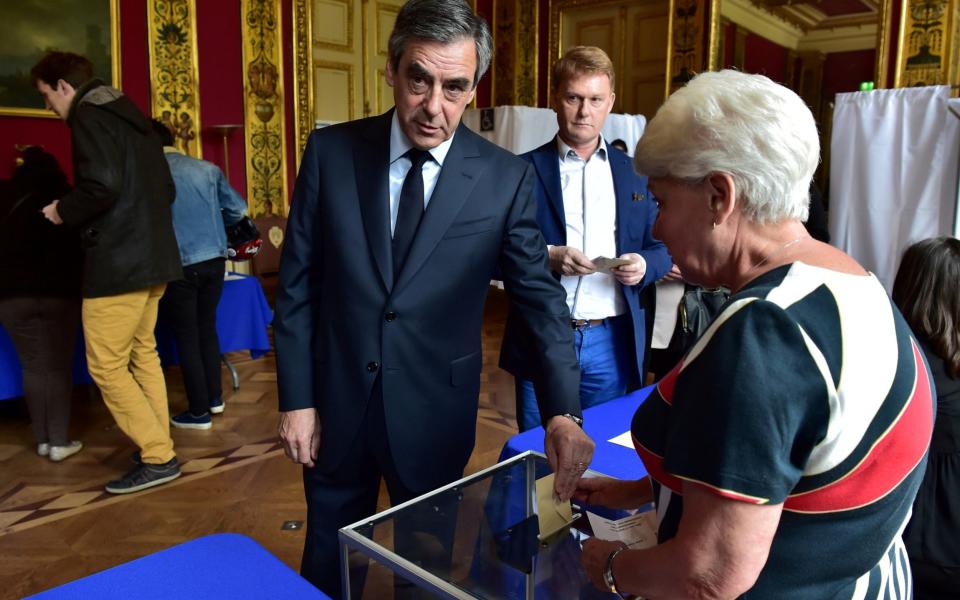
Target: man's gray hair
{"x": 442, "y": 21}
{"x": 758, "y": 131}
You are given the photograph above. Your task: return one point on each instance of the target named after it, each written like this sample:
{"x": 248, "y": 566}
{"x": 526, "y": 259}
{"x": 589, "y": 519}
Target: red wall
{"x": 843, "y": 71}
{"x": 765, "y": 58}
{"x": 220, "y": 62}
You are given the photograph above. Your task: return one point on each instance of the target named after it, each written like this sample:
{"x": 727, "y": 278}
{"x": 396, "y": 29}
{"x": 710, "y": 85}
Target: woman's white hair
{"x": 758, "y": 131}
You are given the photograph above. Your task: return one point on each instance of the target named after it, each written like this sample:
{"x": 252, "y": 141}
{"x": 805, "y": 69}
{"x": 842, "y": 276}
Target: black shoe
{"x": 145, "y": 476}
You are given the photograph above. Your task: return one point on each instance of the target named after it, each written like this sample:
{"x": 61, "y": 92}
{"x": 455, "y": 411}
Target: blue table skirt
{"x": 243, "y": 316}
{"x": 223, "y": 565}
{"x": 601, "y": 423}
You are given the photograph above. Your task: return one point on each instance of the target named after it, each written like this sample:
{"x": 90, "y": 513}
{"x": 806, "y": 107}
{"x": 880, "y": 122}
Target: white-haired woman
{"x": 785, "y": 449}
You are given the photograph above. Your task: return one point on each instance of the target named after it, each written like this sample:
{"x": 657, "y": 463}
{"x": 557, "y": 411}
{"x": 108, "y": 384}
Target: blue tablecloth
{"x": 223, "y": 565}
{"x": 242, "y": 319}
{"x": 602, "y": 422}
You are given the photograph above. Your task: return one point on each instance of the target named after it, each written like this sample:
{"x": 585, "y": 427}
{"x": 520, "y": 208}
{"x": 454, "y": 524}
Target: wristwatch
{"x": 574, "y": 418}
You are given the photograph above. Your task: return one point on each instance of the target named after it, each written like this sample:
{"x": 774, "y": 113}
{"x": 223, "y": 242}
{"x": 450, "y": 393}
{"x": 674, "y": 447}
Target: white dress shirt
{"x": 400, "y": 166}
{"x": 590, "y": 209}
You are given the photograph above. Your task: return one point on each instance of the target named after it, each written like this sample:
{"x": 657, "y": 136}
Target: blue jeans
{"x": 607, "y": 361}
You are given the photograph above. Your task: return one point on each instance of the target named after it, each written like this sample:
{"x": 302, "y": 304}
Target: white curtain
{"x": 520, "y": 129}
{"x": 893, "y": 173}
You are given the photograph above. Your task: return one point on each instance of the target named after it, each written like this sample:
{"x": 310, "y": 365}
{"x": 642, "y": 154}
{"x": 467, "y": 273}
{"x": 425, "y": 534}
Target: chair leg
{"x": 234, "y": 376}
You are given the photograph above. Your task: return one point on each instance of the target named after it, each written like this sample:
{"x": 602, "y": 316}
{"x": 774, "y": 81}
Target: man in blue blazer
{"x": 590, "y": 204}
{"x": 397, "y": 224}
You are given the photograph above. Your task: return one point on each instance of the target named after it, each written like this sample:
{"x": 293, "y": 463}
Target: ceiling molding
{"x": 840, "y": 39}
{"x": 762, "y": 22}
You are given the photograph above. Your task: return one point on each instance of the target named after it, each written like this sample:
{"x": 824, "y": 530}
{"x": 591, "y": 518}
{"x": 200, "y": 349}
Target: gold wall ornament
{"x": 687, "y": 20}
{"x": 927, "y": 52}
{"x": 263, "y": 108}
{"x": 514, "y": 69}
{"x": 175, "y": 93}
{"x": 303, "y": 115}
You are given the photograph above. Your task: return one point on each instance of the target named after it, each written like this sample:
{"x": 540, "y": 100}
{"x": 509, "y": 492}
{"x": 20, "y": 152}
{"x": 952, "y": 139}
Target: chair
{"x": 266, "y": 264}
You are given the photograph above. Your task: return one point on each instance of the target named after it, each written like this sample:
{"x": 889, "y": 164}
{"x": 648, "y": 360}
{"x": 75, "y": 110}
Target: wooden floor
{"x": 57, "y": 524}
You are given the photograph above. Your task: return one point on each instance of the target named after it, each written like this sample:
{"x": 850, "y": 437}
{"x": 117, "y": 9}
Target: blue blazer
{"x": 343, "y": 320}
{"x": 636, "y": 214}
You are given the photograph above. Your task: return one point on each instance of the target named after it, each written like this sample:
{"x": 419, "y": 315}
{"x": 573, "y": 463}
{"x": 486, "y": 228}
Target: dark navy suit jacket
{"x": 636, "y": 213}
{"x": 342, "y": 320}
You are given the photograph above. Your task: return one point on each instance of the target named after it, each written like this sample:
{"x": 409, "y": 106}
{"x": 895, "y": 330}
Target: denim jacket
{"x": 205, "y": 202}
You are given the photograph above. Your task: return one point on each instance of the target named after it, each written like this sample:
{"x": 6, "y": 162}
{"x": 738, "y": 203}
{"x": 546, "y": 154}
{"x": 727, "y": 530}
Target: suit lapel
{"x": 461, "y": 170}
{"x": 621, "y": 167}
{"x": 548, "y": 169}
{"x": 371, "y": 159}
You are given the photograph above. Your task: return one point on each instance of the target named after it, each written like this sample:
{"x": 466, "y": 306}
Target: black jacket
{"x": 121, "y": 197}
{"x": 39, "y": 258}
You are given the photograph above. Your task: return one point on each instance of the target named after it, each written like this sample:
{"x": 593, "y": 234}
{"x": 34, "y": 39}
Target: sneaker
{"x": 187, "y": 420}
{"x": 145, "y": 476}
{"x": 216, "y": 406}
{"x": 43, "y": 449}
{"x": 58, "y": 453}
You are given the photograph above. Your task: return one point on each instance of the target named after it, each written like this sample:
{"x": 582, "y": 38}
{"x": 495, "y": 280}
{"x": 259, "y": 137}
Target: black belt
{"x": 581, "y": 324}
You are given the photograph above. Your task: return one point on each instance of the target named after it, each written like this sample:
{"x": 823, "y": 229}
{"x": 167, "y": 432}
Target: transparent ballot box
{"x": 478, "y": 537}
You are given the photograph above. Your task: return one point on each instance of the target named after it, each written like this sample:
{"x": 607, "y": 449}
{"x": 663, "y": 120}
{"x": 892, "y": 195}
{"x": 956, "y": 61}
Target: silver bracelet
{"x": 608, "y": 573}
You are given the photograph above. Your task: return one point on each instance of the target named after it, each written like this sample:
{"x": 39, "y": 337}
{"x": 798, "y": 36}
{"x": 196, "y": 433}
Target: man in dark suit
{"x": 590, "y": 204}
{"x": 397, "y": 224}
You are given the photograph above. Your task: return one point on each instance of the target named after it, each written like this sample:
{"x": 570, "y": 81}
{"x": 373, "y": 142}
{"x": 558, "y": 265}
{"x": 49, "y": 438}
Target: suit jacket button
{"x": 372, "y": 366}
{"x": 390, "y": 316}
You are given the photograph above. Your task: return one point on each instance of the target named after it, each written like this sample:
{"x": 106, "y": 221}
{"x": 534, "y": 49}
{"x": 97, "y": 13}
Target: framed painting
{"x": 30, "y": 28}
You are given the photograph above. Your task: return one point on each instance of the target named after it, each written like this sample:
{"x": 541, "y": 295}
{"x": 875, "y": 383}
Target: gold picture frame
{"x": 67, "y": 25}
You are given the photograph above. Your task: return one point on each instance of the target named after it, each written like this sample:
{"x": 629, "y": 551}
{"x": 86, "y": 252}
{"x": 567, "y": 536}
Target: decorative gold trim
{"x": 713, "y": 56}
{"x": 672, "y": 8}
{"x": 303, "y": 116}
{"x": 883, "y": 44}
{"x": 174, "y": 74}
{"x": 900, "y": 35}
{"x": 348, "y": 47}
{"x": 264, "y": 129}
{"x": 351, "y": 80}
{"x": 115, "y": 70}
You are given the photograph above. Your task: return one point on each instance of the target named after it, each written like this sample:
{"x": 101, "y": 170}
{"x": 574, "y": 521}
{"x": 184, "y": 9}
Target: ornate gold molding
{"x": 927, "y": 49}
{"x": 263, "y": 108}
{"x": 303, "y": 117}
{"x": 175, "y": 93}
{"x": 884, "y": 36}
{"x": 686, "y": 53}
{"x": 514, "y": 72}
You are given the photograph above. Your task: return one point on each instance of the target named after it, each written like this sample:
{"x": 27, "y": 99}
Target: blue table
{"x": 243, "y": 316}
{"x": 601, "y": 423}
{"x": 223, "y": 565}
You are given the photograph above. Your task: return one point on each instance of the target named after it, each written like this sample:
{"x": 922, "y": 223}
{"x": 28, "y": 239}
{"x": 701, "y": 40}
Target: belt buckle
{"x": 580, "y": 324}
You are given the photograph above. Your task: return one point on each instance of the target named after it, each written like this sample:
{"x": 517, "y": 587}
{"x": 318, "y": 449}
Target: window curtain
{"x": 893, "y": 173}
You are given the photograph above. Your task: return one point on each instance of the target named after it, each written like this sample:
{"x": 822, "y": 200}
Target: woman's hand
{"x": 612, "y": 493}
{"x": 594, "y": 556}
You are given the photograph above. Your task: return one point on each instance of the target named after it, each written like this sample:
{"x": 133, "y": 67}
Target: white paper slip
{"x": 624, "y": 439}
{"x": 602, "y": 263}
{"x": 232, "y": 277}
{"x": 636, "y": 531}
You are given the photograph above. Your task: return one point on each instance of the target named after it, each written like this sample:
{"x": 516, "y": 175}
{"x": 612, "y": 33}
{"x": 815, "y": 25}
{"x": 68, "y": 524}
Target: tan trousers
{"x": 123, "y": 361}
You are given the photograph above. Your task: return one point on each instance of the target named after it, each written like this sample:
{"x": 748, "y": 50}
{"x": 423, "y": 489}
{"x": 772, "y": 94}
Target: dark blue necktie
{"x": 411, "y": 209}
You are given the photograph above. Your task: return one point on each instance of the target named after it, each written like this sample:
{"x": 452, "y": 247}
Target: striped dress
{"x": 808, "y": 390}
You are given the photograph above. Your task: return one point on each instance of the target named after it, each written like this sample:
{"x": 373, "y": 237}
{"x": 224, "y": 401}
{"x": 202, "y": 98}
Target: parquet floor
{"x": 56, "y": 523}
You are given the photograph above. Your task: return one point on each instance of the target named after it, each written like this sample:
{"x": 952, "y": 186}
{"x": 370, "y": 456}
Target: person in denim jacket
{"x": 205, "y": 204}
